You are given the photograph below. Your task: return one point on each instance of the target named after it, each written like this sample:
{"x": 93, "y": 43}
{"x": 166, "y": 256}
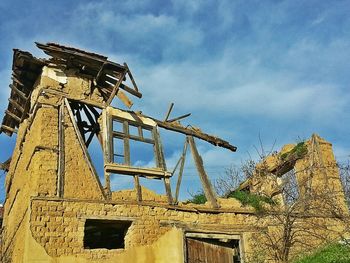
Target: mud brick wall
{"x": 58, "y": 225}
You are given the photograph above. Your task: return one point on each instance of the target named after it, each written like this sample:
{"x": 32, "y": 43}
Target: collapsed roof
{"x": 107, "y": 76}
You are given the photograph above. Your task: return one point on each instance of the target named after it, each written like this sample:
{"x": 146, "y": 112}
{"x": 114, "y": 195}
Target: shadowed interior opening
{"x": 109, "y": 234}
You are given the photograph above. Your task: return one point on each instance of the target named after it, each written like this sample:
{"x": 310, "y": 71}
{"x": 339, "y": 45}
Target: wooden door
{"x": 208, "y": 251}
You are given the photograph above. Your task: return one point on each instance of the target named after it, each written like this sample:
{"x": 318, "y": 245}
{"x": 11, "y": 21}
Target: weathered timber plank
{"x": 7, "y": 128}
{"x": 61, "y": 152}
{"x": 126, "y": 144}
{"x": 169, "y": 111}
{"x": 207, "y": 187}
{"x": 182, "y": 165}
{"x": 115, "y": 88}
{"x": 122, "y": 96}
{"x": 193, "y": 132}
{"x": 18, "y": 92}
{"x": 180, "y": 117}
{"x": 138, "y": 188}
{"x": 131, "y": 77}
{"x": 130, "y": 90}
{"x": 131, "y": 170}
{"x": 12, "y": 115}
{"x": 16, "y": 105}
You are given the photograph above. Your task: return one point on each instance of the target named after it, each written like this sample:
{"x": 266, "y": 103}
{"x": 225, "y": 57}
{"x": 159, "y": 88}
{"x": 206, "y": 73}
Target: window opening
{"x": 134, "y": 131}
{"x": 147, "y": 134}
{"x": 290, "y": 189}
{"x": 133, "y": 144}
{"x": 121, "y": 182}
{"x": 142, "y": 154}
{"x": 118, "y": 146}
{"x": 109, "y": 234}
{"x": 118, "y": 126}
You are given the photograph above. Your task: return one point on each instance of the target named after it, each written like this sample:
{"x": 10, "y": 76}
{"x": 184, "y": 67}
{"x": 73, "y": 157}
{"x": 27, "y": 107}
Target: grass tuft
{"x": 198, "y": 198}
{"x": 299, "y": 150}
{"x": 253, "y": 200}
{"x": 333, "y": 253}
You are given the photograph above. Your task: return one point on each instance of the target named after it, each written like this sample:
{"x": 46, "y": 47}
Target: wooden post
{"x": 107, "y": 140}
{"x": 161, "y": 163}
{"x": 61, "y": 152}
{"x": 108, "y": 185}
{"x": 138, "y": 188}
{"x": 183, "y": 158}
{"x": 207, "y": 187}
{"x": 126, "y": 146}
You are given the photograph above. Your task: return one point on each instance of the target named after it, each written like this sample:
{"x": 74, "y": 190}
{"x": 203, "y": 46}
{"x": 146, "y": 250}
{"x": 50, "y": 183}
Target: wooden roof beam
{"x": 18, "y": 92}
{"x": 16, "y": 105}
{"x": 9, "y": 129}
{"x": 12, "y": 115}
{"x": 177, "y": 127}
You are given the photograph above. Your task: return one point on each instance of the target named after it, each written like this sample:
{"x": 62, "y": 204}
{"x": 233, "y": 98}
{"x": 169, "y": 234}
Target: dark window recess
{"x": 108, "y": 234}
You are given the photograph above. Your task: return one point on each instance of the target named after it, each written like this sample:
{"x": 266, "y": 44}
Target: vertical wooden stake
{"x": 107, "y": 140}
{"x": 207, "y": 187}
{"x": 169, "y": 111}
{"x": 61, "y": 153}
{"x": 183, "y": 158}
{"x": 138, "y": 188}
{"x": 161, "y": 163}
{"x": 108, "y": 185}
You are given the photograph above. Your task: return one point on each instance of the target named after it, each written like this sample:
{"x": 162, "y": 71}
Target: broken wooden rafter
{"x": 115, "y": 88}
{"x": 5, "y": 165}
{"x": 18, "y": 92}
{"x": 207, "y": 186}
{"x": 12, "y": 115}
{"x": 130, "y": 90}
{"x": 125, "y": 99}
{"x": 169, "y": 111}
{"x": 177, "y": 127}
{"x": 16, "y": 105}
{"x": 9, "y": 129}
{"x": 180, "y": 117}
{"x": 131, "y": 78}
{"x": 15, "y": 79}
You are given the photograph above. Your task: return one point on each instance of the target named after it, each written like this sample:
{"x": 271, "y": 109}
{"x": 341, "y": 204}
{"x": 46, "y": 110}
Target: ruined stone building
{"x": 58, "y": 209}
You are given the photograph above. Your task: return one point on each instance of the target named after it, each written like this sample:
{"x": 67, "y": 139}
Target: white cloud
{"x": 228, "y": 63}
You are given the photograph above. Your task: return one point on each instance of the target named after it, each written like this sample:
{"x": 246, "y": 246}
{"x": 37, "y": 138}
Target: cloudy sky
{"x": 244, "y": 69}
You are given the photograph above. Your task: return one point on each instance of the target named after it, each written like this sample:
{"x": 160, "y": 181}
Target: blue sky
{"x": 278, "y": 69}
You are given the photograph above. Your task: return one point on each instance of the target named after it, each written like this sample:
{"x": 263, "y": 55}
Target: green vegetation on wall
{"x": 299, "y": 150}
{"x": 254, "y": 200}
{"x": 198, "y": 198}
